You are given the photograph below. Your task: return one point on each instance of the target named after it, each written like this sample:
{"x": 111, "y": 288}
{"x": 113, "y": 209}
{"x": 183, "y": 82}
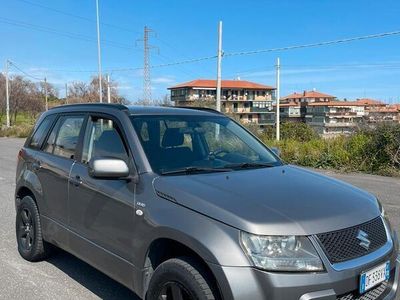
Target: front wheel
{"x": 181, "y": 279}
{"x": 31, "y": 245}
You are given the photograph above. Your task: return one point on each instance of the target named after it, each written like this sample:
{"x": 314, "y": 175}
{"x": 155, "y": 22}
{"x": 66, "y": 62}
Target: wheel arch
{"x": 172, "y": 248}
{"x": 22, "y": 192}
{"x": 29, "y": 184}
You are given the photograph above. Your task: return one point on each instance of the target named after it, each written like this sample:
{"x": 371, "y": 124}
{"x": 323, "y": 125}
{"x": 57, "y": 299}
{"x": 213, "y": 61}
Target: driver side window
{"x": 227, "y": 142}
{"x": 103, "y": 139}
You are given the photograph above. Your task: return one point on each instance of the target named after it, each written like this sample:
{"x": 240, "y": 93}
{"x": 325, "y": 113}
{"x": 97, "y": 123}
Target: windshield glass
{"x": 183, "y": 142}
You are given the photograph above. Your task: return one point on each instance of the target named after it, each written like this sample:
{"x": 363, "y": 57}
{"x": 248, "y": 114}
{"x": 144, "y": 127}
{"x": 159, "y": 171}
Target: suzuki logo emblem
{"x": 364, "y": 241}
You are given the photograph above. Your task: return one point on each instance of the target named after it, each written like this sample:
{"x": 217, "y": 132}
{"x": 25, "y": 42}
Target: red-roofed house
{"x": 293, "y": 106}
{"x": 379, "y": 114}
{"x": 370, "y": 102}
{"x": 307, "y": 97}
{"x": 249, "y": 101}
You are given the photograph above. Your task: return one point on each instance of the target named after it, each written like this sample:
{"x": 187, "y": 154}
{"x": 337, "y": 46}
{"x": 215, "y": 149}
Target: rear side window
{"x": 64, "y": 137}
{"x": 41, "y": 132}
{"x": 103, "y": 139}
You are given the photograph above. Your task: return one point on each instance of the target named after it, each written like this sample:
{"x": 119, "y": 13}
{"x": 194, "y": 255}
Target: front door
{"x": 102, "y": 210}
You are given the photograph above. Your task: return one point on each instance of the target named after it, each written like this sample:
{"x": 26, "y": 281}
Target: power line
{"x": 23, "y": 72}
{"x": 63, "y": 33}
{"x": 77, "y": 16}
{"x": 326, "y": 43}
{"x": 205, "y": 58}
{"x": 328, "y": 67}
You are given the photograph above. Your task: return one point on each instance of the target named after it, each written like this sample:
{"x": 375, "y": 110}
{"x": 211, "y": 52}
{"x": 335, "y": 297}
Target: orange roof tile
{"x": 234, "y": 84}
{"x": 288, "y": 104}
{"x": 372, "y": 102}
{"x": 336, "y": 103}
{"x": 395, "y": 108}
{"x": 308, "y": 94}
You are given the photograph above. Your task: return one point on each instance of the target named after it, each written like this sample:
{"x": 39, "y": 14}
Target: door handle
{"x": 36, "y": 166}
{"x": 76, "y": 181}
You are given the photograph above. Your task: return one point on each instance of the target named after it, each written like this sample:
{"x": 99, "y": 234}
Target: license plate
{"x": 374, "y": 277}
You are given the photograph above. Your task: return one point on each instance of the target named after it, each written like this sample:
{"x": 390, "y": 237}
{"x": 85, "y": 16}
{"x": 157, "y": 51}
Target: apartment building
{"x": 294, "y": 106}
{"x": 247, "y": 101}
{"x": 378, "y": 111}
{"x": 307, "y": 97}
{"x": 389, "y": 113}
{"x": 333, "y": 118}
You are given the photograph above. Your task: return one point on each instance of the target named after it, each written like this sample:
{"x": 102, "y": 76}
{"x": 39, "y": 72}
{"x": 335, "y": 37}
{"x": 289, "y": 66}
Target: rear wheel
{"x": 181, "y": 279}
{"x": 31, "y": 245}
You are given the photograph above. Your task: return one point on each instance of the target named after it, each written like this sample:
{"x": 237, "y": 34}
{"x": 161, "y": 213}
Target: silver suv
{"x": 178, "y": 203}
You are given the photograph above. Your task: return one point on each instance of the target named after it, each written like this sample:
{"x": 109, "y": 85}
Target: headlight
{"x": 281, "y": 253}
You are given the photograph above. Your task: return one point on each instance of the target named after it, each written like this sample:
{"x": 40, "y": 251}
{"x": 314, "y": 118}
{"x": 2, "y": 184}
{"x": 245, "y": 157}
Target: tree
{"x": 24, "y": 97}
{"x": 82, "y": 92}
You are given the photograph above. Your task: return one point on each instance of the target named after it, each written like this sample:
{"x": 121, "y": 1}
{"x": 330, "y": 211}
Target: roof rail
{"x": 112, "y": 105}
{"x": 200, "y": 108}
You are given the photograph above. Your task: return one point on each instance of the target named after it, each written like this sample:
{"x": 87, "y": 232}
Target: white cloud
{"x": 163, "y": 79}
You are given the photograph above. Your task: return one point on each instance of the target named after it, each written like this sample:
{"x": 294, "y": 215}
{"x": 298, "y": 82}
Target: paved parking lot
{"x": 66, "y": 277}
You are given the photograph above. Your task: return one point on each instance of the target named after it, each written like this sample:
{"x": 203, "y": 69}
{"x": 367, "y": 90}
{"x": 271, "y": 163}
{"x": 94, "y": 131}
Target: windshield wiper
{"x": 193, "y": 170}
{"x": 250, "y": 165}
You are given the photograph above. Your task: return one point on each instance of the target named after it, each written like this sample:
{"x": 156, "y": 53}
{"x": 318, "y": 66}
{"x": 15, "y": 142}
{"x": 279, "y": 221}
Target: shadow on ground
{"x": 98, "y": 283}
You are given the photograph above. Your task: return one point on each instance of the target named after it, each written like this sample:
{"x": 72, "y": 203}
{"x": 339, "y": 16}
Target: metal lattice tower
{"x": 146, "y": 67}
{"x": 146, "y": 64}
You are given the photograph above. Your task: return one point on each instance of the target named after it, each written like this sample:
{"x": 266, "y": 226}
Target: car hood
{"x": 282, "y": 200}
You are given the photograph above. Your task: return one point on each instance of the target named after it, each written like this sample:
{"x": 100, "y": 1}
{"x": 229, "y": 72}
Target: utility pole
{"x": 219, "y": 61}
{"x": 7, "y": 96}
{"x": 45, "y": 94}
{"x": 108, "y": 89}
{"x": 66, "y": 93}
{"x": 99, "y": 51}
{"x": 278, "y": 111}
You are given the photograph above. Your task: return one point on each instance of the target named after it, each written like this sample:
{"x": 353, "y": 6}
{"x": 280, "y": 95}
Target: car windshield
{"x": 188, "y": 144}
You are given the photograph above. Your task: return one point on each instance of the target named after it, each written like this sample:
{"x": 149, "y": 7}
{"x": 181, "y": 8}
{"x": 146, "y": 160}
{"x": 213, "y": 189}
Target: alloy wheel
{"x": 174, "y": 291}
{"x": 26, "y": 230}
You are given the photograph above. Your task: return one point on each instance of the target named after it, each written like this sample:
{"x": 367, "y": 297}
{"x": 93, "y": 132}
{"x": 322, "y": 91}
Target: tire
{"x": 31, "y": 245}
{"x": 181, "y": 278}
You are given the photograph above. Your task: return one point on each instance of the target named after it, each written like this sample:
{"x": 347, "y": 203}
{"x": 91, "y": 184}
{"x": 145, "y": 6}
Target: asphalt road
{"x": 66, "y": 277}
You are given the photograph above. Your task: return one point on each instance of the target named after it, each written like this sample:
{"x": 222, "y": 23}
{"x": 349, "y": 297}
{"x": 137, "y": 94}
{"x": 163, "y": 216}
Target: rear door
{"x": 54, "y": 163}
{"x": 102, "y": 210}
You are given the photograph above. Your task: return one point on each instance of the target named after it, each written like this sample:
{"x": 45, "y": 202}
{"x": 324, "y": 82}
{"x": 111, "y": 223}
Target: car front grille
{"x": 343, "y": 245}
{"x": 376, "y": 293}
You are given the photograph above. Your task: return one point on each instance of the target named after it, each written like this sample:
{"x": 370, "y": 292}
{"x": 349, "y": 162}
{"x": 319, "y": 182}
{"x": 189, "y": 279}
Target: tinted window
{"x": 41, "y": 132}
{"x": 64, "y": 137}
{"x": 182, "y": 141}
{"x": 49, "y": 145}
{"x": 103, "y": 139}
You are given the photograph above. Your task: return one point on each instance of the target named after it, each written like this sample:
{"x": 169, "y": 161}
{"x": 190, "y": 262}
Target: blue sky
{"x": 188, "y": 29}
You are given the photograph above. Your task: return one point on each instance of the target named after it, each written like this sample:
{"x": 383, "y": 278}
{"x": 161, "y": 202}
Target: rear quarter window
{"x": 40, "y": 132}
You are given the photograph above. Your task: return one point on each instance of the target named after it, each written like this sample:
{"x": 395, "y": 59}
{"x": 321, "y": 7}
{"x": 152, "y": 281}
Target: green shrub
{"x": 297, "y": 131}
{"x": 371, "y": 150}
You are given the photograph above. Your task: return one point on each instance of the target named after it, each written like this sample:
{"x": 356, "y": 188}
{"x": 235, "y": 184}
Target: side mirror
{"x": 111, "y": 168}
{"x": 276, "y": 150}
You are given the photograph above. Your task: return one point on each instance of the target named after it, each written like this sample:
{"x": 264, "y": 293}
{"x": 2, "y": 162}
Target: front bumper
{"x": 250, "y": 283}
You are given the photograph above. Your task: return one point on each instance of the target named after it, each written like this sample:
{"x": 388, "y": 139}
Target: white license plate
{"x": 374, "y": 277}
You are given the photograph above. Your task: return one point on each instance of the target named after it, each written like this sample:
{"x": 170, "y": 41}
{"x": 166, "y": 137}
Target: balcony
{"x": 341, "y": 124}
{"x": 261, "y": 110}
{"x": 342, "y": 114}
{"x": 266, "y": 122}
